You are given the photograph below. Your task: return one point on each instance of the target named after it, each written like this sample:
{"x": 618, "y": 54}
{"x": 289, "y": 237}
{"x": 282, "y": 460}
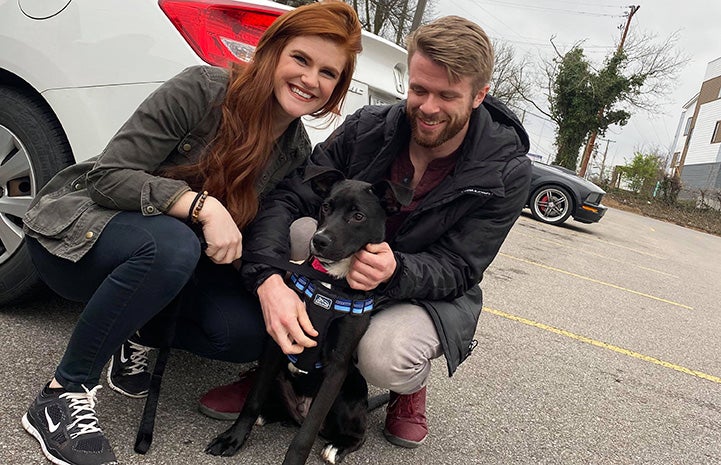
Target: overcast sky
{"x": 529, "y": 24}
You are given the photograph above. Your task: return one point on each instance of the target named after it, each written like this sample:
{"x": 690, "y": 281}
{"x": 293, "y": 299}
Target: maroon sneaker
{"x": 406, "y": 424}
{"x": 226, "y": 402}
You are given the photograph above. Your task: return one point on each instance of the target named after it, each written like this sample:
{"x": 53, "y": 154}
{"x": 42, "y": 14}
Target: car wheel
{"x": 551, "y": 204}
{"x": 33, "y": 147}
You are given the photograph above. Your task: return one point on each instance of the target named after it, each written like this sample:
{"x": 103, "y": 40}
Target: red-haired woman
{"x": 116, "y": 231}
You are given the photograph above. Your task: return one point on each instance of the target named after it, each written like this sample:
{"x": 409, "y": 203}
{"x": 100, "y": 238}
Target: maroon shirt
{"x": 401, "y": 172}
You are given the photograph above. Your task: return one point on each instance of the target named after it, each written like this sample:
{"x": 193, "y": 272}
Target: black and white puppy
{"x": 352, "y": 215}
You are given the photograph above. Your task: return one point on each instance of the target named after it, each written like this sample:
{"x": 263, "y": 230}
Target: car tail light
{"x": 220, "y": 31}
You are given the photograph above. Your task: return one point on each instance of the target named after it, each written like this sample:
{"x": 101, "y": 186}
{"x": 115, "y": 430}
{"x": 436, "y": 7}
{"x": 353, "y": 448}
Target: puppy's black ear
{"x": 392, "y": 195}
{"x": 322, "y": 178}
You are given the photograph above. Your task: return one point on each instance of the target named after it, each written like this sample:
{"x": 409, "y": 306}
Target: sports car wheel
{"x": 551, "y": 204}
{"x": 33, "y": 147}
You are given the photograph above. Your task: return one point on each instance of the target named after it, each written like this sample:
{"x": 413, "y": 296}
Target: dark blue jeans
{"x": 134, "y": 270}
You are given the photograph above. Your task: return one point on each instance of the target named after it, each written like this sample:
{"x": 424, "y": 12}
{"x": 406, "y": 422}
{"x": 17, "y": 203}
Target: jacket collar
{"x": 492, "y": 119}
{"x": 494, "y": 135}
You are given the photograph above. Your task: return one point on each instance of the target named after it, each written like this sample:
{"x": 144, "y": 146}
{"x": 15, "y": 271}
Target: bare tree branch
{"x": 659, "y": 61}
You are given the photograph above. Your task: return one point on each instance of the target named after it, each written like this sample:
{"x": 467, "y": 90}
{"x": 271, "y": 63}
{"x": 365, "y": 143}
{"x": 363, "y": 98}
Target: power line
{"x": 470, "y": 14}
{"x": 554, "y": 10}
{"x": 522, "y": 40}
{"x": 575, "y": 3}
{"x": 516, "y": 107}
{"x": 500, "y": 21}
{"x": 586, "y": 48}
{"x": 599, "y": 48}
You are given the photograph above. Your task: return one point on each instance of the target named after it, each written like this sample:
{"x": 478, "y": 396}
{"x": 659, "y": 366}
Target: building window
{"x": 688, "y": 127}
{"x": 716, "y": 138}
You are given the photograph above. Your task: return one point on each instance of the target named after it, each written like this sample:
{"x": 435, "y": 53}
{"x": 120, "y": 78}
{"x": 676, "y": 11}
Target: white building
{"x": 697, "y": 146}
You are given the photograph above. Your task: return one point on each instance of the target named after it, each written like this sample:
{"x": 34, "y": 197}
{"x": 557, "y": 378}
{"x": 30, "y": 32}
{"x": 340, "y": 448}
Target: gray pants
{"x": 396, "y": 351}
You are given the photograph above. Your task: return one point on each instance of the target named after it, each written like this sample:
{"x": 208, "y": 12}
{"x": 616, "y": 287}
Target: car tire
{"x": 33, "y": 147}
{"x": 551, "y": 204}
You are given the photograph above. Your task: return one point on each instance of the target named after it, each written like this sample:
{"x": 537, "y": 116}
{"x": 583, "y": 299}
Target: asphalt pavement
{"x": 599, "y": 344}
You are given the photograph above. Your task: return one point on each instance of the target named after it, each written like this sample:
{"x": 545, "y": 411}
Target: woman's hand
{"x": 371, "y": 266}
{"x": 225, "y": 242}
{"x": 285, "y": 316}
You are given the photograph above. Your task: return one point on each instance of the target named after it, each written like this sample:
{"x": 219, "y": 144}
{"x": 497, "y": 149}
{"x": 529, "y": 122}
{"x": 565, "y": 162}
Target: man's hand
{"x": 285, "y": 316}
{"x": 371, "y": 266}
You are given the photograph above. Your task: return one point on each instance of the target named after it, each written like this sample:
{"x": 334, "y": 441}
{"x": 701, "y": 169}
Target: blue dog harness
{"x": 323, "y": 307}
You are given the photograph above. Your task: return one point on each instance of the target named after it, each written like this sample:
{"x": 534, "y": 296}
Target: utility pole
{"x": 592, "y": 138}
{"x": 605, "y": 153}
{"x": 594, "y": 154}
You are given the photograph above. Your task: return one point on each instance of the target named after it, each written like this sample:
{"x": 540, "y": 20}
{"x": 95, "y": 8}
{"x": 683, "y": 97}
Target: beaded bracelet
{"x": 196, "y": 206}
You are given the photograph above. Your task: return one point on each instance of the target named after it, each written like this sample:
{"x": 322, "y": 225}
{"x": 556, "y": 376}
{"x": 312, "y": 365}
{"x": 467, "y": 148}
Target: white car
{"x": 72, "y": 71}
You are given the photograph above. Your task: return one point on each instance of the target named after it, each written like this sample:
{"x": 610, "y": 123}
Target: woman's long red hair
{"x": 244, "y": 141}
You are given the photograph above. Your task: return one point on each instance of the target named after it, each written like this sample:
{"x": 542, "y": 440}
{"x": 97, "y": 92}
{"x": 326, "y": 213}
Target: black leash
{"x": 144, "y": 438}
{"x": 378, "y": 401}
{"x": 147, "y": 422}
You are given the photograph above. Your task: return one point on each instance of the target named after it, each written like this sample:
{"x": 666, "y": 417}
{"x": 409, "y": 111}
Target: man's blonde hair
{"x": 459, "y": 45}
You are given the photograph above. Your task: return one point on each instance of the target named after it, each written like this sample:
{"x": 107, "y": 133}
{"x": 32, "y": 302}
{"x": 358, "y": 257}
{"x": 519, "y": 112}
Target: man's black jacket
{"x": 447, "y": 242}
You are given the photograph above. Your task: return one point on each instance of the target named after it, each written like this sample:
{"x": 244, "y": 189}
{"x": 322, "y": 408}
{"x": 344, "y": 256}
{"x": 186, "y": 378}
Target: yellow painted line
{"x": 531, "y": 223}
{"x": 594, "y": 254}
{"x": 586, "y": 278}
{"x": 641, "y": 252}
{"x": 604, "y": 345}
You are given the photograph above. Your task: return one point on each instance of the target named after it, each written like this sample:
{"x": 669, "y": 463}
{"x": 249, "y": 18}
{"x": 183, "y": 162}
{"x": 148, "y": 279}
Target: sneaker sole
{"x": 115, "y": 388}
{"x": 208, "y": 412}
{"x": 36, "y": 434}
{"x": 408, "y": 444}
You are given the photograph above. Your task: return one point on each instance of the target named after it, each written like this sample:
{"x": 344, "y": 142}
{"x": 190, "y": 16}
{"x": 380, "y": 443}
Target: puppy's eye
{"x": 325, "y": 208}
{"x": 358, "y": 216}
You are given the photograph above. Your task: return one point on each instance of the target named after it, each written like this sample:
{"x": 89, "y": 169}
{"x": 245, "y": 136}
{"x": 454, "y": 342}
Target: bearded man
{"x": 464, "y": 154}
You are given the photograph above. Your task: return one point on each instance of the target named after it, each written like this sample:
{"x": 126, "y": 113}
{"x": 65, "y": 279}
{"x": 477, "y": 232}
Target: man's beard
{"x": 453, "y": 127}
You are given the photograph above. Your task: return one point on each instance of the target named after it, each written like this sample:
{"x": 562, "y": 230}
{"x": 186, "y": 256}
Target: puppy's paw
{"x": 225, "y": 445}
{"x": 330, "y": 454}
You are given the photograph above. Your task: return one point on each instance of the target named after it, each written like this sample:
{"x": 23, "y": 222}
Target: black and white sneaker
{"x": 65, "y": 425}
{"x": 128, "y": 372}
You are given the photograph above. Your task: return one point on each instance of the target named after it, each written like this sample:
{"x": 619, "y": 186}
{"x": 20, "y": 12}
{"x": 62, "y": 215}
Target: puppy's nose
{"x": 320, "y": 242}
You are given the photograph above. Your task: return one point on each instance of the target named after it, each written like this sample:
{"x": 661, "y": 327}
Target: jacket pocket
{"x": 53, "y": 214}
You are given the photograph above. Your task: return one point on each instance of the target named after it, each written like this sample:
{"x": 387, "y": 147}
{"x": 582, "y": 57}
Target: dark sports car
{"x": 557, "y": 194}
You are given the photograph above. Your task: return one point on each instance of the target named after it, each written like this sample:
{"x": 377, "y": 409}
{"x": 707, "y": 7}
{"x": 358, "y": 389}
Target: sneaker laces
{"x": 82, "y": 411}
{"x": 139, "y": 360}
